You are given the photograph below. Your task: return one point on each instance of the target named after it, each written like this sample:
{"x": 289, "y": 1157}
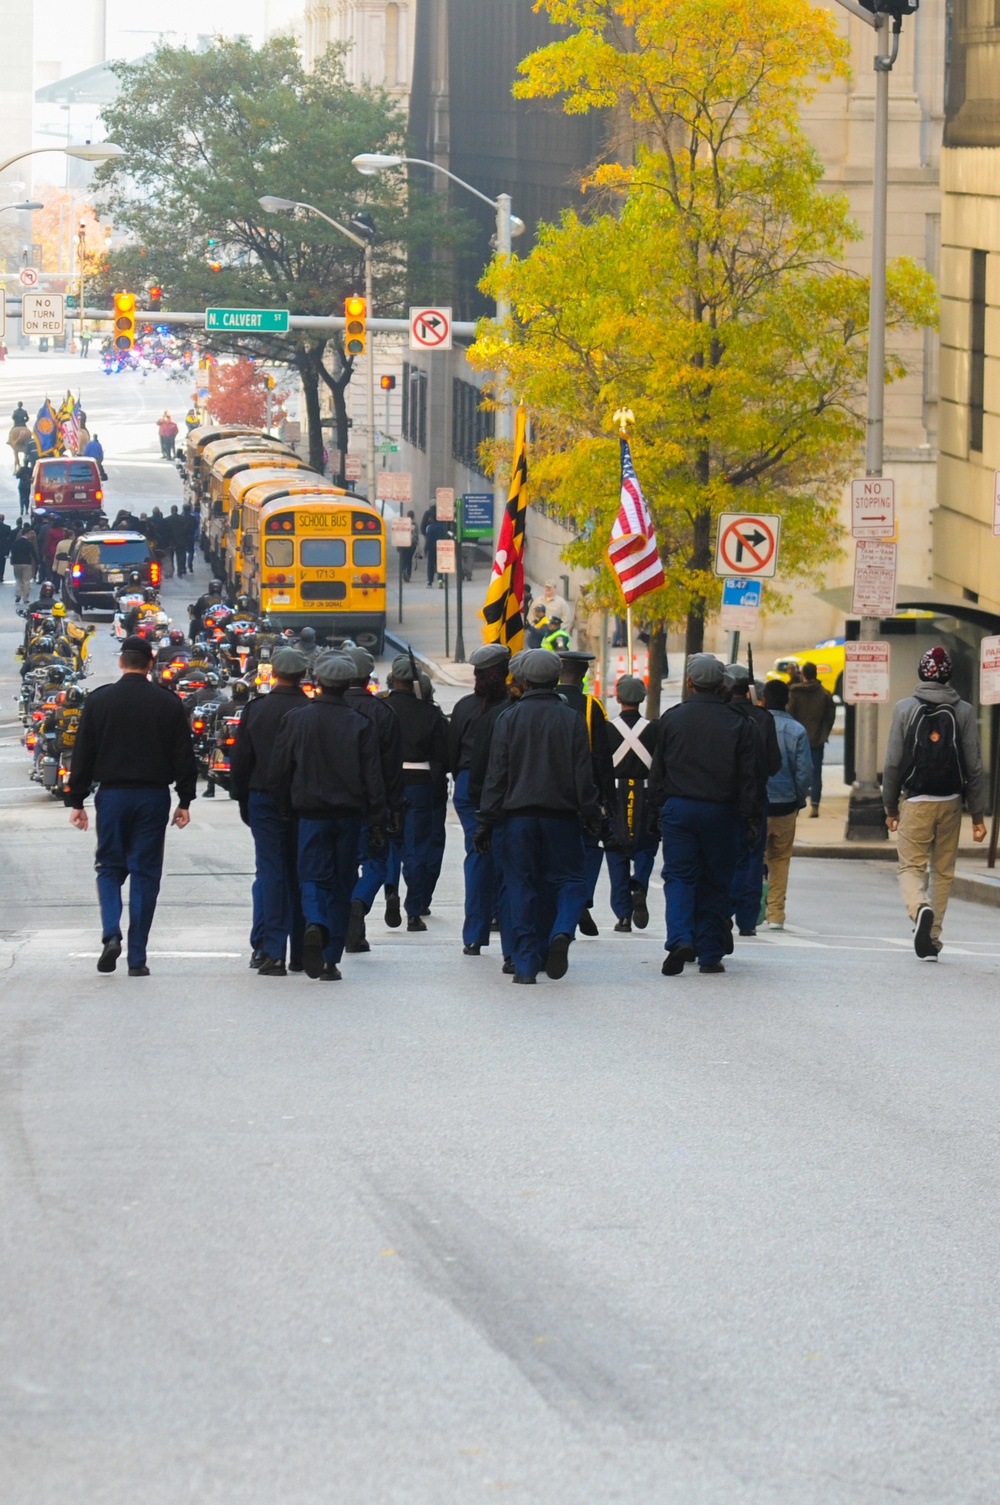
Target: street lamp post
{"x": 84, "y": 151}
{"x": 27, "y": 206}
{"x": 274, "y": 205}
{"x": 507, "y": 226}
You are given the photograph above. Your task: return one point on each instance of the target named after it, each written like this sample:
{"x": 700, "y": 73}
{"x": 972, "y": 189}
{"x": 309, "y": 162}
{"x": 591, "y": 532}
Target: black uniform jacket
{"x": 390, "y": 741}
{"x": 326, "y": 763}
{"x": 769, "y": 753}
{"x": 425, "y": 738}
{"x": 631, "y": 775}
{"x": 464, "y": 728}
{"x": 132, "y": 735}
{"x": 706, "y": 750}
{"x": 260, "y": 723}
{"x": 481, "y": 749}
{"x": 600, "y": 747}
{"x": 539, "y": 762}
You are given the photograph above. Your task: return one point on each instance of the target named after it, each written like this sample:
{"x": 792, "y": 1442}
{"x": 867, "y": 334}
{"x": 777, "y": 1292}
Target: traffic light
{"x": 356, "y": 330}
{"x": 388, "y": 384}
{"x": 124, "y": 321}
{"x": 155, "y": 298}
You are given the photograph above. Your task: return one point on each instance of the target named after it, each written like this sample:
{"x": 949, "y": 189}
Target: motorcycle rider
{"x": 214, "y": 596}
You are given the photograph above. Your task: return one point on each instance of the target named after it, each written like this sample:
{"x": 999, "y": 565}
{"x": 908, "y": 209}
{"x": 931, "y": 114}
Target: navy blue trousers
{"x": 374, "y": 871}
{"x": 748, "y": 879}
{"x": 625, "y": 870}
{"x": 328, "y": 870}
{"x": 131, "y": 826}
{"x": 545, "y": 868}
{"x": 593, "y": 856}
{"x": 700, "y": 852}
{"x": 279, "y": 908}
{"x": 420, "y": 854}
{"x": 480, "y": 872}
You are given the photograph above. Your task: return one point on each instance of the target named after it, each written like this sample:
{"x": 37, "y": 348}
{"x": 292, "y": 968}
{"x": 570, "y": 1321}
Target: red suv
{"x": 71, "y": 487}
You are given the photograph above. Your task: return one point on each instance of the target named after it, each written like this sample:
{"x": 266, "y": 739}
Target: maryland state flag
{"x": 503, "y": 609}
{"x": 47, "y": 435}
{"x": 69, "y": 416}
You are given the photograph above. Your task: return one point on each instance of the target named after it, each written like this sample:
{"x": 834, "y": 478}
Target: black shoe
{"x": 494, "y": 923}
{"x": 711, "y": 967}
{"x": 471, "y": 950}
{"x": 356, "y": 940}
{"x": 138, "y": 971}
{"x": 330, "y": 973}
{"x": 272, "y": 966}
{"x": 624, "y": 927}
{"x": 748, "y": 932}
{"x": 108, "y": 959}
{"x": 256, "y": 957}
{"x": 393, "y": 918}
{"x": 729, "y": 944}
{"x": 515, "y": 978}
{"x": 586, "y": 924}
{"x": 426, "y": 910}
{"x": 922, "y": 943}
{"x": 209, "y": 791}
{"x": 508, "y": 967}
{"x": 414, "y": 923}
{"x": 676, "y": 959}
{"x": 640, "y": 909}
{"x": 557, "y": 961}
{"x": 312, "y": 950}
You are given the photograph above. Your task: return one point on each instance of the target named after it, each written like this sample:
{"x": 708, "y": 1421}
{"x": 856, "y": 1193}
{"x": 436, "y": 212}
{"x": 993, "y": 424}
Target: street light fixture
{"x": 27, "y": 205}
{"x": 362, "y": 235}
{"x": 508, "y": 226}
{"x": 84, "y": 151}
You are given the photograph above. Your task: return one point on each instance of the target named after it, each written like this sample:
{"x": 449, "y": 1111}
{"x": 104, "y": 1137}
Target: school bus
{"x": 225, "y": 460}
{"x": 197, "y": 440}
{"x": 316, "y": 560}
{"x": 275, "y": 476}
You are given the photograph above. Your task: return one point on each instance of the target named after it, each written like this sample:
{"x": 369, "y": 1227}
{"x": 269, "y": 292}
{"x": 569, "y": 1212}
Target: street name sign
{"x": 989, "y": 671}
{"x": 430, "y": 328}
{"x": 248, "y": 320}
{"x": 740, "y": 604}
{"x": 444, "y": 504}
{"x": 446, "y": 556}
{"x": 866, "y": 673}
{"x": 387, "y": 448}
{"x": 42, "y": 313}
{"x": 873, "y": 507}
{"x": 748, "y": 544}
{"x": 874, "y": 579}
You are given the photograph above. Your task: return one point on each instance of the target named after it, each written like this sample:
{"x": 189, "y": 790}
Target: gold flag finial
{"x": 623, "y": 417}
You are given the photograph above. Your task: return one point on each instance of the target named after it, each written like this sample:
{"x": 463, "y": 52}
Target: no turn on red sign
{"x": 748, "y": 544}
{"x": 430, "y": 328}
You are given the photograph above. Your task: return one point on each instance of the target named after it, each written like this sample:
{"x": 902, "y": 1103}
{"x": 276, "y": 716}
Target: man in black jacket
{"x": 748, "y": 880}
{"x": 704, "y": 782}
{"x": 134, "y": 741}
{"x": 425, "y": 762}
{"x": 374, "y": 865}
{"x": 540, "y": 785}
{"x": 489, "y": 663}
{"x": 325, "y": 770}
{"x": 632, "y": 741}
{"x": 277, "y": 908}
{"x": 573, "y": 671}
{"x": 6, "y": 538}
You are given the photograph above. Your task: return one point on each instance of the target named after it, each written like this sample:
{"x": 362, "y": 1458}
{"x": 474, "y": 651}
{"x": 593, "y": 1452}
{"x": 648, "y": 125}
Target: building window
{"x": 415, "y": 405}
{"x": 470, "y": 425}
{"x": 977, "y": 364}
{"x": 391, "y": 45}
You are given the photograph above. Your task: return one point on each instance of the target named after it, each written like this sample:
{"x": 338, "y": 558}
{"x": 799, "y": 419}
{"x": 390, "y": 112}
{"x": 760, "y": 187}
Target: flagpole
{"x": 628, "y": 631}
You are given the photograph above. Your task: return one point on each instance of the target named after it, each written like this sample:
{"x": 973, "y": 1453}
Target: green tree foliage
{"x": 707, "y": 293}
{"x": 205, "y": 135}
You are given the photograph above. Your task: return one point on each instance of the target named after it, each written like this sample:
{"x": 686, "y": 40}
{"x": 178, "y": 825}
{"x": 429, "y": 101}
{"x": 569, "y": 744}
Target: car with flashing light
{"x": 68, "y": 485}
{"x": 100, "y": 563}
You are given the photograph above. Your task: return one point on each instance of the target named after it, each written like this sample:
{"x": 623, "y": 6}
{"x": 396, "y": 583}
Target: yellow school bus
{"x": 317, "y": 560}
{"x": 225, "y": 460}
{"x": 269, "y": 476}
{"x": 197, "y": 441}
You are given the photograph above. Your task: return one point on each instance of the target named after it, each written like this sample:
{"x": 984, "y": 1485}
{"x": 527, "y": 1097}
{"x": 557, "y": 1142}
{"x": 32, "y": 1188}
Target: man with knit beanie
{"x": 934, "y": 760}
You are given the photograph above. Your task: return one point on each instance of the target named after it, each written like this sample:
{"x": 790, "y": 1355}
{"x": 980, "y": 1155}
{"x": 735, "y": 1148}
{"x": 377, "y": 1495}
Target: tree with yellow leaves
{"x": 706, "y": 292}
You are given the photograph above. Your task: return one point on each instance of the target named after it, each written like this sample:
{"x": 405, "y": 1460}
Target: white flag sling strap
{"x": 631, "y": 742}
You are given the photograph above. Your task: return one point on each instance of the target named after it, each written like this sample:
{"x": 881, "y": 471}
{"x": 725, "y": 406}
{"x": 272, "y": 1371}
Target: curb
{"x": 433, "y": 668}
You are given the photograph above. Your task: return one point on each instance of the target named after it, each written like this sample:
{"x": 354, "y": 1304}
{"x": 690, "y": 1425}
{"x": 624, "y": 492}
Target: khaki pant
{"x": 927, "y": 847}
{"x": 778, "y": 857}
{"x": 23, "y": 576}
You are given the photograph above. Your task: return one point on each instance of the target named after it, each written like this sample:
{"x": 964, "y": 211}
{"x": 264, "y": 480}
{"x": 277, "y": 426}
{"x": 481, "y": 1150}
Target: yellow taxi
{"x": 828, "y": 657}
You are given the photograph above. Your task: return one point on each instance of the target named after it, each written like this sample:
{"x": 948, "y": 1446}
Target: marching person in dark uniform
{"x": 540, "y": 786}
{"x": 425, "y": 760}
{"x": 134, "y": 741}
{"x": 633, "y": 741}
{"x": 477, "y": 778}
{"x": 490, "y": 663}
{"x": 575, "y": 665}
{"x": 325, "y": 770}
{"x": 277, "y": 907}
{"x": 748, "y": 880}
{"x": 704, "y": 784}
{"x": 374, "y": 866}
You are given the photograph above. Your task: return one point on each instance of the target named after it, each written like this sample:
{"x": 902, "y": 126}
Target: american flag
{"x": 632, "y": 552}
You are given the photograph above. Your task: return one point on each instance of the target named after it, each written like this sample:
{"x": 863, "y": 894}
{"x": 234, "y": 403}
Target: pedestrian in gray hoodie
{"x": 934, "y": 760}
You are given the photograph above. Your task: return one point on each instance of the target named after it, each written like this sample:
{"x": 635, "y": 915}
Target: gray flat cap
{"x": 402, "y": 668}
{"x": 630, "y": 690}
{"x": 289, "y": 663}
{"x": 334, "y": 669}
{"x": 490, "y": 656}
{"x": 363, "y": 662}
{"x": 705, "y": 672}
{"x": 737, "y": 674}
{"x": 541, "y": 667}
{"x": 516, "y": 664}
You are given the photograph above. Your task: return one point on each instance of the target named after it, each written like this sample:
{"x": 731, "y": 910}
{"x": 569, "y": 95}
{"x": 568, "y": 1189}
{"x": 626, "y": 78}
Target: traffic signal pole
{"x": 370, "y": 356}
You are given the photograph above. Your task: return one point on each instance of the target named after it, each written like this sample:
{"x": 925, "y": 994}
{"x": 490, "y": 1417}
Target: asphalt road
{"x": 423, "y": 1238}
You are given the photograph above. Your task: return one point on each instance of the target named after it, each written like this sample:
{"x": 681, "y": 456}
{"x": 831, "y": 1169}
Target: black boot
{"x": 356, "y": 940}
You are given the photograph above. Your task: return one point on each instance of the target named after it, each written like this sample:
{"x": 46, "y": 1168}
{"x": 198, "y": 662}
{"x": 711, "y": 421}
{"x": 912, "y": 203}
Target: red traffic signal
{"x": 388, "y": 383}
